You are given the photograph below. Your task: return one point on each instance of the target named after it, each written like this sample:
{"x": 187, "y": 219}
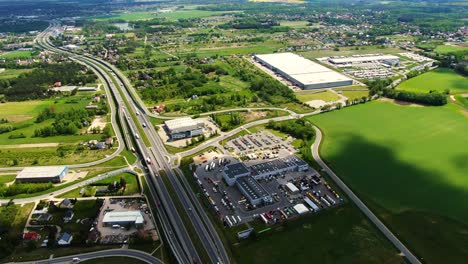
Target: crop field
{"x": 438, "y": 80}
{"x": 12, "y": 73}
{"x": 346, "y": 236}
{"x": 327, "y": 96}
{"x": 409, "y": 164}
{"x": 444, "y": 49}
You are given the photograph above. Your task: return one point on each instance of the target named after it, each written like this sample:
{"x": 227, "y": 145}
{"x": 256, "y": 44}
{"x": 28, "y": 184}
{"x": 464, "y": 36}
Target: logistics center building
{"x": 123, "y": 218}
{"x": 53, "y": 174}
{"x": 303, "y": 72}
{"x": 390, "y": 60}
{"x": 184, "y": 127}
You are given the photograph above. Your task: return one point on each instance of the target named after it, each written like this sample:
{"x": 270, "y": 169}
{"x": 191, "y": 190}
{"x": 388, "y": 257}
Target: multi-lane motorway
{"x": 155, "y": 156}
{"x": 132, "y": 114}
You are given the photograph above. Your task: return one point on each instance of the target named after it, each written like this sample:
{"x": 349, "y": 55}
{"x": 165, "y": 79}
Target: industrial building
{"x": 253, "y": 191}
{"x": 123, "y": 218}
{"x": 53, "y": 174}
{"x": 263, "y": 170}
{"x": 302, "y": 72}
{"x": 390, "y": 60}
{"x": 184, "y": 127}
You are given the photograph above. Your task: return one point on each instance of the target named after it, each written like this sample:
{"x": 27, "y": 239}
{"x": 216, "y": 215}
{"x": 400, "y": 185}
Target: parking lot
{"x": 229, "y": 202}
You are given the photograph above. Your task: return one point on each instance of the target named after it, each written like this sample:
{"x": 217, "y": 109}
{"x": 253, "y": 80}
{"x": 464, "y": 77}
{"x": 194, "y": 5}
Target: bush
{"x": 433, "y": 98}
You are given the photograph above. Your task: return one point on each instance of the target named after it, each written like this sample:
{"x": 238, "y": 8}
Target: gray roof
{"x": 277, "y": 164}
{"x": 252, "y": 188}
{"x": 236, "y": 169}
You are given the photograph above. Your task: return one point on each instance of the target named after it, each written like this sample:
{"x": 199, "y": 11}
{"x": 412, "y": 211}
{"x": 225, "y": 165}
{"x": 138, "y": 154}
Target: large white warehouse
{"x": 303, "y": 72}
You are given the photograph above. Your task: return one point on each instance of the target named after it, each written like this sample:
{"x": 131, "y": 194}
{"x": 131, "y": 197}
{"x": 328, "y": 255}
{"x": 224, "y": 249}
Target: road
{"x": 129, "y": 253}
{"x": 372, "y": 217}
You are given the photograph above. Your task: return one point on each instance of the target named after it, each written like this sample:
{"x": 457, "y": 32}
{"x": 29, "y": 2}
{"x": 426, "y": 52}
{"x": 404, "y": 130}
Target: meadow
{"x": 409, "y": 164}
{"x": 18, "y": 54}
{"x": 436, "y": 80}
{"x": 12, "y": 73}
{"x": 444, "y": 49}
{"x": 327, "y": 96}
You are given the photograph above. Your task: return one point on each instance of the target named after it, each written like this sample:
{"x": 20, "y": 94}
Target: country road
{"x": 372, "y": 217}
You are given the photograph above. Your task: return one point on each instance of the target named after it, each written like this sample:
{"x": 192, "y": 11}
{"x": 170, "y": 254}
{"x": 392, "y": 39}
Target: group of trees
{"x": 36, "y": 84}
{"x": 235, "y": 119}
{"x": 298, "y": 128}
{"x": 66, "y": 123}
{"x": 23, "y": 188}
{"x": 432, "y": 98}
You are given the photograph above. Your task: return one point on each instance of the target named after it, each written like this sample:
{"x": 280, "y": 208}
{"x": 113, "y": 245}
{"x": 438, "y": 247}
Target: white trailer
{"x": 228, "y": 221}
{"x": 264, "y": 219}
{"x": 311, "y": 204}
{"x": 234, "y": 219}
{"x": 325, "y": 201}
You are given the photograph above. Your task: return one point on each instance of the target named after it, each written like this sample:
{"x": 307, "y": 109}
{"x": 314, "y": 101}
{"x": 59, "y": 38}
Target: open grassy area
{"x": 444, "y": 49}
{"x": 7, "y": 178}
{"x": 409, "y": 164}
{"x": 351, "y": 95}
{"x": 438, "y": 80}
{"x": 19, "y": 54}
{"x": 12, "y": 73}
{"x": 327, "y": 96}
{"x": 188, "y": 14}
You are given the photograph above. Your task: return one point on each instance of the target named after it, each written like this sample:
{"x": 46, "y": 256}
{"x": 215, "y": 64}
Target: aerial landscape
{"x": 234, "y": 131}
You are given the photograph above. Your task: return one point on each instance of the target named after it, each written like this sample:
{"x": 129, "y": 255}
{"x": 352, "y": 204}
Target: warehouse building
{"x": 123, "y": 218}
{"x": 253, "y": 191}
{"x": 302, "y": 72}
{"x": 53, "y": 174}
{"x": 264, "y": 170}
{"x": 232, "y": 172}
{"x": 390, "y": 60}
{"x": 184, "y": 127}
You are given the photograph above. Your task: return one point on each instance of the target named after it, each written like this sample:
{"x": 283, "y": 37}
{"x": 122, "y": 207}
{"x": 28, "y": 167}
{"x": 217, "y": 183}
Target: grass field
{"x": 355, "y": 94}
{"x": 188, "y": 14}
{"x": 444, "y": 49}
{"x": 19, "y": 54}
{"x": 12, "y": 73}
{"x": 439, "y": 80}
{"x": 7, "y": 178}
{"x": 409, "y": 164}
{"x": 327, "y": 96}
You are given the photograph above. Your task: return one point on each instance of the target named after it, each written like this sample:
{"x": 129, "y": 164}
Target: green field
{"x": 327, "y": 96}
{"x": 444, "y": 49}
{"x": 188, "y": 14}
{"x": 409, "y": 164}
{"x": 351, "y": 95}
{"x": 19, "y": 54}
{"x": 341, "y": 235}
{"x": 12, "y": 73}
{"x": 438, "y": 80}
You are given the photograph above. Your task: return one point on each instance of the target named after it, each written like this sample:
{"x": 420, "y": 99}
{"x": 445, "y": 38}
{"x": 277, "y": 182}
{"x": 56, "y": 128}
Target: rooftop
{"x": 127, "y": 216}
{"x": 41, "y": 172}
{"x": 252, "y": 187}
{"x": 363, "y": 58}
{"x": 301, "y": 69}
{"x": 276, "y": 164}
{"x": 232, "y": 170}
{"x": 181, "y": 124}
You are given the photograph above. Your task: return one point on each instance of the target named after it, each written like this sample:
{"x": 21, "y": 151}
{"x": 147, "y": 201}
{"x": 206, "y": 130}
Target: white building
{"x": 42, "y": 174}
{"x": 303, "y": 72}
{"x": 365, "y": 58}
{"x": 301, "y": 209}
{"x": 123, "y": 218}
{"x": 291, "y": 187}
{"x": 184, "y": 127}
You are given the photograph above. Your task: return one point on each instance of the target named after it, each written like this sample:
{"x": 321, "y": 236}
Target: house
{"x": 44, "y": 218}
{"x": 57, "y": 84}
{"x": 97, "y": 99}
{"x": 91, "y": 106}
{"x": 31, "y": 236}
{"x": 65, "y": 239}
{"x": 92, "y": 142}
{"x": 109, "y": 141}
{"x": 66, "y": 203}
{"x": 68, "y": 216}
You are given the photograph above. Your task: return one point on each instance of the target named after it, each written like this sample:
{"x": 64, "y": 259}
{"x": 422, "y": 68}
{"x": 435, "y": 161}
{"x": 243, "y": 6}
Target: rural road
{"x": 130, "y": 253}
{"x": 372, "y": 217}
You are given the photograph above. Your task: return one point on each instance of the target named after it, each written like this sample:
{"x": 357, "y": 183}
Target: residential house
{"x": 68, "y": 216}
{"x": 65, "y": 239}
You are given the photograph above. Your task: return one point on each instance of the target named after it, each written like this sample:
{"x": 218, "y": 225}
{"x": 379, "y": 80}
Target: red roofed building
{"x": 58, "y": 84}
{"x": 31, "y": 236}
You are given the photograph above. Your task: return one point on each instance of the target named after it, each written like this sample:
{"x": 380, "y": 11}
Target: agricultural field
{"x": 408, "y": 163}
{"x": 445, "y": 49}
{"x": 436, "y": 80}
{"x": 341, "y": 235}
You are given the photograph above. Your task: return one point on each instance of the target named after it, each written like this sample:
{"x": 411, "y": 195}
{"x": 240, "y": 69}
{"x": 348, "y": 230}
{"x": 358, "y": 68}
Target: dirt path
{"x": 37, "y": 145}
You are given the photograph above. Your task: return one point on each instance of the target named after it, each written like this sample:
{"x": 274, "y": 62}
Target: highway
{"x": 372, "y": 217}
{"x": 129, "y": 253}
{"x": 156, "y": 160}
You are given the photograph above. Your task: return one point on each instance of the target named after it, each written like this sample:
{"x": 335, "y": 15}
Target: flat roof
{"x": 252, "y": 188}
{"x": 277, "y": 164}
{"x": 301, "y": 69}
{"x": 41, "y": 172}
{"x": 233, "y": 170}
{"x": 181, "y": 124}
{"x": 292, "y": 187}
{"x": 127, "y": 216}
{"x": 301, "y": 208}
{"x": 362, "y": 58}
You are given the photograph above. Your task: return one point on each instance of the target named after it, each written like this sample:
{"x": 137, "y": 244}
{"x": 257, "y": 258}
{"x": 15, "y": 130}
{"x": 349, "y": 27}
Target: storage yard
{"x": 262, "y": 179}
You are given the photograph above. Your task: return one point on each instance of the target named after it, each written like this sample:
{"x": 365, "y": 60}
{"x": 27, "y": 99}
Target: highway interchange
{"x": 132, "y": 113}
